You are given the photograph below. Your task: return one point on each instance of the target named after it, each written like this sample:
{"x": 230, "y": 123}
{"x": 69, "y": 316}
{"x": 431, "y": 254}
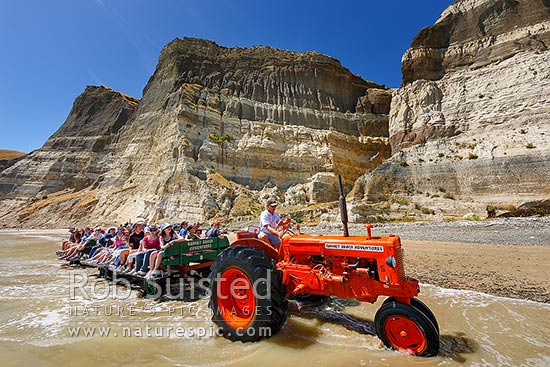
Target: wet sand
{"x": 501, "y": 270}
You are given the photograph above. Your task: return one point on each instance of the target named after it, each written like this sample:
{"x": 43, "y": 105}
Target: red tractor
{"x": 251, "y": 282}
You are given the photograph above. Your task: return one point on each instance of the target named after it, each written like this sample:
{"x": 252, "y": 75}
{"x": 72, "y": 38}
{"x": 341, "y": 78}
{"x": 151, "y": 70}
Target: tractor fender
{"x": 270, "y": 251}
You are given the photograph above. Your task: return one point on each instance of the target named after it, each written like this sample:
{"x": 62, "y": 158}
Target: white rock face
{"x": 217, "y": 131}
{"x": 480, "y": 134}
{"x": 500, "y": 97}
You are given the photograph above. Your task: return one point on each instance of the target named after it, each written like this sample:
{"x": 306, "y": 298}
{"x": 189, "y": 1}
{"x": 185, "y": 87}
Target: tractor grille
{"x": 399, "y": 261}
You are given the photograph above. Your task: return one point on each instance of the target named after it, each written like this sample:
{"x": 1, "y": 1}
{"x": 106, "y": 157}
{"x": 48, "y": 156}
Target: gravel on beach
{"x": 532, "y": 231}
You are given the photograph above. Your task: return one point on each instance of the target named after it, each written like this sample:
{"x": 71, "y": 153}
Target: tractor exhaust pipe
{"x": 343, "y": 207}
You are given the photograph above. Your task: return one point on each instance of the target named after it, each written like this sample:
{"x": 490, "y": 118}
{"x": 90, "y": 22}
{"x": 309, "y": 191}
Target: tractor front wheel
{"x": 247, "y": 296}
{"x": 405, "y": 328}
{"x": 420, "y": 306}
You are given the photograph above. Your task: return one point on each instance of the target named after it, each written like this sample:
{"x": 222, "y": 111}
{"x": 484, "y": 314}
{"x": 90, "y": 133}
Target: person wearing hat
{"x": 269, "y": 220}
{"x": 89, "y": 239}
{"x": 192, "y": 232}
{"x": 71, "y": 241}
{"x": 167, "y": 238}
{"x": 214, "y": 230}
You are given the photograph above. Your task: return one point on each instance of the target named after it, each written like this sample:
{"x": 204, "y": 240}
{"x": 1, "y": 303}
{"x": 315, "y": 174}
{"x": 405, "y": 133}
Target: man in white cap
{"x": 269, "y": 220}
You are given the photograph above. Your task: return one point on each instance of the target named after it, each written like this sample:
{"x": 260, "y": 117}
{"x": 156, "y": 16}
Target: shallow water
{"x": 37, "y": 317}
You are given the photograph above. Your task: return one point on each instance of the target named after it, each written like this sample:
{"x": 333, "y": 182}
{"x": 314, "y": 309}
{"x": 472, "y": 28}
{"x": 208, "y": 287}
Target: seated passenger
{"x": 192, "y": 233}
{"x": 88, "y": 239}
{"x": 167, "y": 238}
{"x": 269, "y": 220}
{"x": 183, "y": 230}
{"x": 215, "y": 231}
{"x": 131, "y": 268}
{"x": 105, "y": 241}
{"x": 134, "y": 243}
{"x": 155, "y": 266}
{"x": 74, "y": 239}
{"x": 150, "y": 244}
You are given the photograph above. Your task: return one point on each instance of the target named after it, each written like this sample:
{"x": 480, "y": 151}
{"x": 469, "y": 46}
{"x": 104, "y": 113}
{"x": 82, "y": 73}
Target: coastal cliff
{"x": 469, "y": 126}
{"x": 216, "y": 131}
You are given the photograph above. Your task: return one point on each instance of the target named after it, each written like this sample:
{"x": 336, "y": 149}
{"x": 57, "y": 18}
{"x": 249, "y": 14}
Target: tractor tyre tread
{"x": 256, "y": 265}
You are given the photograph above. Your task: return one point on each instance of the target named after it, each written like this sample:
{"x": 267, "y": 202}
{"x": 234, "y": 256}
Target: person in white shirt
{"x": 269, "y": 220}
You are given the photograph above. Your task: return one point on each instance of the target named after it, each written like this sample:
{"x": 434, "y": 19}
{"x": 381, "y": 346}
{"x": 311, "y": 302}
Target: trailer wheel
{"x": 405, "y": 328}
{"x": 154, "y": 288}
{"x": 420, "y": 306}
{"x": 247, "y": 295}
{"x": 204, "y": 272}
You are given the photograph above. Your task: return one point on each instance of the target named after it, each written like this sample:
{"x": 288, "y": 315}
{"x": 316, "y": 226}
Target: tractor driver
{"x": 269, "y": 220}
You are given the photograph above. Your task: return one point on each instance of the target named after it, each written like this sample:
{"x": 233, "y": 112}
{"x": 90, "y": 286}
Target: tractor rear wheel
{"x": 420, "y": 306}
{"x": 247, "y": 295}
{"x": 405, "y": 328}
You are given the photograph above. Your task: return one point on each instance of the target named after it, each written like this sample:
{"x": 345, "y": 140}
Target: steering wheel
{"x": 285, "y": 226}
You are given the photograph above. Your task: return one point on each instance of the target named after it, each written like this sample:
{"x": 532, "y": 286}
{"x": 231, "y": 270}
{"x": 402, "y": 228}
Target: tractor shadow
{"x": 332, "y": 311}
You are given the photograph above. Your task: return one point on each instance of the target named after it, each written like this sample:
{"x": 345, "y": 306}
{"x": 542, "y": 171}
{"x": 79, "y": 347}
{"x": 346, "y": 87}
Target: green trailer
{"x": 180, "y": 259}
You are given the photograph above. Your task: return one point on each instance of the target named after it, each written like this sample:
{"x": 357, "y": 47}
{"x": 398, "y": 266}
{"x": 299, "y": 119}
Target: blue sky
{"x": 51, "y": 50}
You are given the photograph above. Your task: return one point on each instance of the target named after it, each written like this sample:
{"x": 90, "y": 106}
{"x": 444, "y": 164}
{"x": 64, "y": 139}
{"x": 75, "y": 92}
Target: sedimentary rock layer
{"x": 471, "y": 120}
{"x": 471, "y": 34}
{"x": 216, "y": 130}
{"x": 73, "y": 156}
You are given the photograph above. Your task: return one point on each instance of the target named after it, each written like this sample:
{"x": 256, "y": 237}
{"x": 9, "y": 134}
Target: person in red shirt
{"x": 149, "y": 244}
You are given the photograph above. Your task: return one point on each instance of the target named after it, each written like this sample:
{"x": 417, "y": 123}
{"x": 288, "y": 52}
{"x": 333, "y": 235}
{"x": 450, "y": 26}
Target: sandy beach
{"x": 502, "y": 270}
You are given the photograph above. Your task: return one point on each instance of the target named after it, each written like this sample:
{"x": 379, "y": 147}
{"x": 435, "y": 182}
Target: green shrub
{"x": 473, "y": 217}
{"x": 472, "y": 156}
{"x": 529, "y": 146}
{"x": 219, "y": 138}
{"x": 403, "y": 164}
{"x": 403, "y": 201}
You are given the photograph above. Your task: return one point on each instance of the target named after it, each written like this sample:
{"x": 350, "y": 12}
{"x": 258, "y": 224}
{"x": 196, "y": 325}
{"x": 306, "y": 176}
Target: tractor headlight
{"x": 390, "y": 261}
